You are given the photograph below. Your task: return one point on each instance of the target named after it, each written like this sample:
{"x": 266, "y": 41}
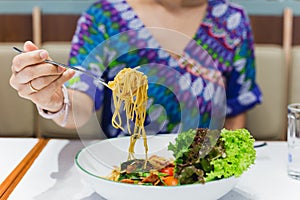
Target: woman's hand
{"x": 38, "y": 81}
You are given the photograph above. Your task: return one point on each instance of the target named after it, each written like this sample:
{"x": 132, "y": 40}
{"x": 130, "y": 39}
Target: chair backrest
{"x": 294, "y": 81}
{"x": 17, "y": 117}
{"x": 268, "y": 120}
{"x": 59, "y": 51}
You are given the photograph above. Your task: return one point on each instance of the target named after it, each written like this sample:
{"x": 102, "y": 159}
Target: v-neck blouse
{"x": 110, "y": 36}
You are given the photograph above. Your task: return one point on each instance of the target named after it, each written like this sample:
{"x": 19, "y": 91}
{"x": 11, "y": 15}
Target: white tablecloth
{"x": 267, "y": 179}
{"x": 53, "y": 176}
{"x": 12, "y": 151}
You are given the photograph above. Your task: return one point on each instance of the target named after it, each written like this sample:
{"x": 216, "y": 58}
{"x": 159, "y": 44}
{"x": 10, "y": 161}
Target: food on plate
{"x": 230, "y": 155}
{"x": 200, "y": 155}
{"x": 129, "y": 89}
{"x": 157, "y": 171}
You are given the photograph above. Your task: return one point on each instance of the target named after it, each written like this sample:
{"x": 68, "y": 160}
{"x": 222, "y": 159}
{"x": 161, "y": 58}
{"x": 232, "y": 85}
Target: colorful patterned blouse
{"x": 214, "y": 77}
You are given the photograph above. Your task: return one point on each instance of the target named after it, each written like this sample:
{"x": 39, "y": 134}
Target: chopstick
{"x": 100, "y": 80}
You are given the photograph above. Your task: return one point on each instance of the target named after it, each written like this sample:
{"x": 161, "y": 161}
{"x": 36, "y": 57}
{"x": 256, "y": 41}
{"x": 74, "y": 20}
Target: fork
{"x": 100, "y": 80}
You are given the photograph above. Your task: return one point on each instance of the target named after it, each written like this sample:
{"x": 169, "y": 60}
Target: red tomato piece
{"x": 168, "y": 170}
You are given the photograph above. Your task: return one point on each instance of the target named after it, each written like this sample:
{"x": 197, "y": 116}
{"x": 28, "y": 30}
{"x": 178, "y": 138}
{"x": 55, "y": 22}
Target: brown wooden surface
{"x": 18, "y": 28}
{"x": 267, "y": 29}
{"x": 15, "y": 28}
{"x": 9, "y": 184}
{"x": 296, "y": 30}
{"x": 58, "y": 27}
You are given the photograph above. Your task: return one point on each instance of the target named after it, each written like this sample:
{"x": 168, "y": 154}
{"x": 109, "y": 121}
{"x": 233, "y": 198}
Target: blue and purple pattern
{"x": 110, "y": 36}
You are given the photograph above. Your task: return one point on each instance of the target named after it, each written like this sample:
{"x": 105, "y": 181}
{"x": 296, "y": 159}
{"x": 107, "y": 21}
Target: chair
{"x": 17, "y": 116}
{"x": 268, "y": 121}
{"x": 59, "y": 51}
{"x": 294, "y": 96}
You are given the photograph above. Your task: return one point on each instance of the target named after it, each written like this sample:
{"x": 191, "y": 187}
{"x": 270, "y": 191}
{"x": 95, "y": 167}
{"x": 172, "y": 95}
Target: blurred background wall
{"x": 60, "y": 16}
{"x": 277, "y": 46}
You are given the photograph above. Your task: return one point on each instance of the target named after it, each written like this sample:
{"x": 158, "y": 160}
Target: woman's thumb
{"x": 29, "y": 46}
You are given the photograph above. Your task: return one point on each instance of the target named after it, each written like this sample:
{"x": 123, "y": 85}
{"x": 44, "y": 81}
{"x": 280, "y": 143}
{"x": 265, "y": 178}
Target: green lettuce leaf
{"x": 182, "y": 143}
{"x": 240, "y": 154}
{"x": 229, "y": 153}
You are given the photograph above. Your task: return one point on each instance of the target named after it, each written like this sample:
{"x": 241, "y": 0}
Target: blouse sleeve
{"x": 242, "y": 91}
{"x": 90, "y": 32}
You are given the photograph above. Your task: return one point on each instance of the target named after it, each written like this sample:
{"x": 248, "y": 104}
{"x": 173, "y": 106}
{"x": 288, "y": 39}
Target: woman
{"x": 216, "y": 26}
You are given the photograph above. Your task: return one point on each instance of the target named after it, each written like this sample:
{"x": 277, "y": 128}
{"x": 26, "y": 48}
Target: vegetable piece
{"x": 152, "y": 178}
{"x": 182, "y": 143}
{"x": 203, "y": 155}
{"x": 127, "y": 181}
{"x": 240, "y": 154}
{"x": 135, "y": 165}
{"x": 170, "y": 181}
{"x": 192, "y": 150}
{"x": 168, "y": 170}
{"x": 190, "y": 175}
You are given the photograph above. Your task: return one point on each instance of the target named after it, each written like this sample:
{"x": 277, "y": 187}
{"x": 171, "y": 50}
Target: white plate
{"x": 97, "y": 160}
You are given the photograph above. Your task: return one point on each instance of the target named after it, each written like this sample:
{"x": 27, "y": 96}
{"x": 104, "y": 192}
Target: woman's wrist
{"x": 64, "y": 111}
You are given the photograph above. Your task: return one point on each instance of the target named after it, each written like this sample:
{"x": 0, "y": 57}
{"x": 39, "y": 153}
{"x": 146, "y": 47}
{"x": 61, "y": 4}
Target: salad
{"x": 200, "y": 155}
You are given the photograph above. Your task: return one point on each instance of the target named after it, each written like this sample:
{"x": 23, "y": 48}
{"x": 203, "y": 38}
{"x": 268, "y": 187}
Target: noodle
{"x": 130, "y": 89}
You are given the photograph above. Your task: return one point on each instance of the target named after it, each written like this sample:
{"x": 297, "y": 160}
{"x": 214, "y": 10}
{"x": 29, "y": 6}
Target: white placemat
{"x": 12, "y": 151}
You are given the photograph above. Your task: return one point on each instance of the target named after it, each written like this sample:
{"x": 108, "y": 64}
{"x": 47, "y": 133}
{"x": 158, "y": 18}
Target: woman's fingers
{"x": 40, "y": 76}
{"x": 36, "y": 71}
{"x": 36, "y": 80}
{"x": 51, "y": 95}
{"x": 67, "y": 75}
{"x": 42, "y": 82}
{"x": 29, "y": 66}
{"x": 25, "y": 91}
{"x": 29, "y": 58}
{"x": 28, "y": 46}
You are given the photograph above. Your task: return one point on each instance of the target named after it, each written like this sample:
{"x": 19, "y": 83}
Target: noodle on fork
{"x": 129, "y": 88}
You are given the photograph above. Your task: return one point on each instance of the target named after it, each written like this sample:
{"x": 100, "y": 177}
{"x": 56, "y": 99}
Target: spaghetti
{"x": 129, "y": 88}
